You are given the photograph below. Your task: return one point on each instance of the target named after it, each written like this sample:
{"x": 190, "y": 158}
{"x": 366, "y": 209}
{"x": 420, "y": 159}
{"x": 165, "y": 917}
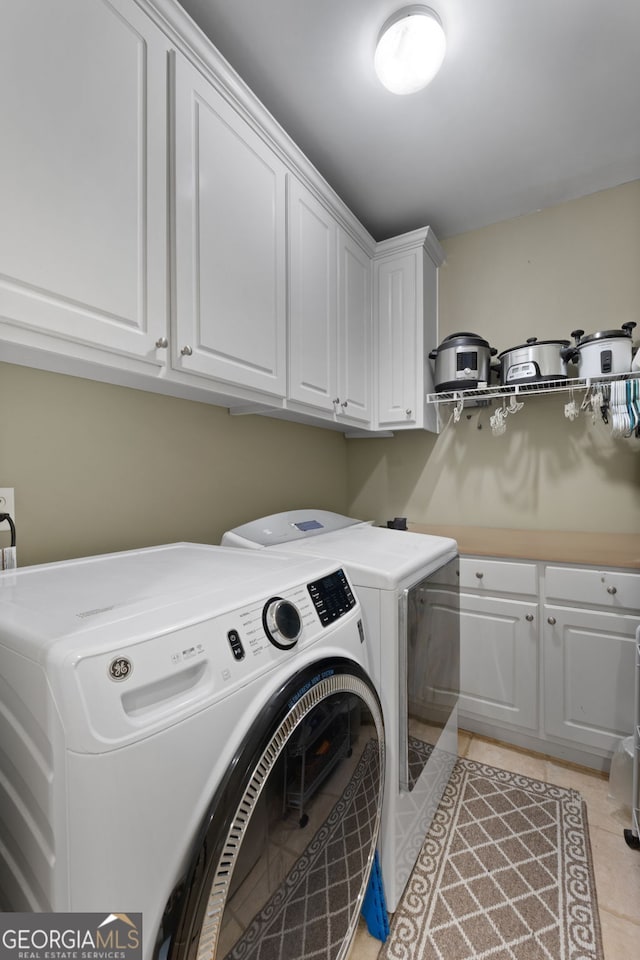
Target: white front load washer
{"x": 192, "y": 733}
{"x": 408, "y": 586}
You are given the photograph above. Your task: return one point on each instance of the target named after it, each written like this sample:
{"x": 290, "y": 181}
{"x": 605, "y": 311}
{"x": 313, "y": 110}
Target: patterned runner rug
{"x": 505, "y": 873}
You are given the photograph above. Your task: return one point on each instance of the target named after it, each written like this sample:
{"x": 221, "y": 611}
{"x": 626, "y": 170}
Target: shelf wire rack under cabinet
{"x": 498, "y": 391}
{"x": 615, "y": 398}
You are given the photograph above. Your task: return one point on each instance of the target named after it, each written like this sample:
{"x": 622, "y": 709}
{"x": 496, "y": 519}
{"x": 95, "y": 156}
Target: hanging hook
{"x": 571, "y": 408}
{"x": 514, "y": 405}
{"x": 498, "y": 420}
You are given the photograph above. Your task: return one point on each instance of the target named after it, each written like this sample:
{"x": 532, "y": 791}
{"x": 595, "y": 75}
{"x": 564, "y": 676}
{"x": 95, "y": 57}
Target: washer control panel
{"x": 156, "y": 675}
{"x": 332, "y": 597}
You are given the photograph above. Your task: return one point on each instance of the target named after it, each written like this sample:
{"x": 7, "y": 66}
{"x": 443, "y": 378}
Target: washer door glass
{"x": 283, "y": 862}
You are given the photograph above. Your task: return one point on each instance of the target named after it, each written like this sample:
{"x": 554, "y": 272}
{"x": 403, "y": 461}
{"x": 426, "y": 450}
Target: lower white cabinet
{"x": 499, "y": 643}
{"x": 548, "y": 654}
{"x": 589, "y": 658}
{"x": 499, "y": 660}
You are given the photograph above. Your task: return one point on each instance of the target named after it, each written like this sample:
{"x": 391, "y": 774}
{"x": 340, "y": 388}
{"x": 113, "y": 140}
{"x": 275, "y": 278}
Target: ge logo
{"x": 120, "y": 668}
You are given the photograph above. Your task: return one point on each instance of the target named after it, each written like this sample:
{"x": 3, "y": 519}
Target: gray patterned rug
{"x": 505, "y": 873}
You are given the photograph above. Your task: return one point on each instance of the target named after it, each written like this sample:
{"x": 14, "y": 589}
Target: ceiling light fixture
{"x": 410, "y": 49}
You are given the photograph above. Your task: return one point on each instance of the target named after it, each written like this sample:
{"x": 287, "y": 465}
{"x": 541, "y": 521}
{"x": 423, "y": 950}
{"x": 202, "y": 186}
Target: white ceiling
{"x": 537, "y": 102}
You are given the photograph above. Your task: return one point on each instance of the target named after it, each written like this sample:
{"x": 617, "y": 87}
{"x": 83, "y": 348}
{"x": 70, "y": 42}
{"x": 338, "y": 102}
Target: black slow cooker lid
{"x": 534, "y": 342}
{"x": 463, "y": 340}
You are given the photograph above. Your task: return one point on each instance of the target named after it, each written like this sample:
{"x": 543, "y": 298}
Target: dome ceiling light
{"x": 410, "y": 49}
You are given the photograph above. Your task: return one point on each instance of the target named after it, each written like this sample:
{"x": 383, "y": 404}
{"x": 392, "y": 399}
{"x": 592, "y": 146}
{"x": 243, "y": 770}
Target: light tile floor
{"x": 616, "y": 866}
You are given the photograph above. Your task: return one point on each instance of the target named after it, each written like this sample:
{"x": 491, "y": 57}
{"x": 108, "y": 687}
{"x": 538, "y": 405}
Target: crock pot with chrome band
{"x": 597, "y": 354}
{"x": 462, "y": 361}
{"x": 533, "y": 361}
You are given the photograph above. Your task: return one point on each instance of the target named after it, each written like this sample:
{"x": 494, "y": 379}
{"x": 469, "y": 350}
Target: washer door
{"x": 281, "y": 866}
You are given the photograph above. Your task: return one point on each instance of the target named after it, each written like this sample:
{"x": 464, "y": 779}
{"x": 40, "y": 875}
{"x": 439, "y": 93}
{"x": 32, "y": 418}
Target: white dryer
{"x": 190, "y": 732}
{"x": 408, "y": 586}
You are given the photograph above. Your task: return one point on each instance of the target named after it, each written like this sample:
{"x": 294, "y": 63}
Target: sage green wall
{"x": 98, "y": 468}
{"x": 576, "y": 265}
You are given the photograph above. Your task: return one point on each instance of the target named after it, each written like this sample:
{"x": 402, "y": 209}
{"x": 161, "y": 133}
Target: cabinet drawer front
{"x": 498, "y": 576}
{"x": 605, "y": 588}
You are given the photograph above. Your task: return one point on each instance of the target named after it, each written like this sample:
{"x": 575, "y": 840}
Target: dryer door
{"x": 281, "y": 866}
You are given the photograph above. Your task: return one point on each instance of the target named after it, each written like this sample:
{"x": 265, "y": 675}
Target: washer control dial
{"x": 282, "y": 622}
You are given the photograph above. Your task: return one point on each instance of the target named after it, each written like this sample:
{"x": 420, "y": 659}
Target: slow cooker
{"x": 462, "y": 362}
{"x": 608, "y": 351}
{"x": 533, "y": 361}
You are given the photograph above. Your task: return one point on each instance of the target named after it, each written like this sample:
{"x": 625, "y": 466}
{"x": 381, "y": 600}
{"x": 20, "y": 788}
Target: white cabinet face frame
{"x": 230, "y": 242}
{"x": 83, "y": 177}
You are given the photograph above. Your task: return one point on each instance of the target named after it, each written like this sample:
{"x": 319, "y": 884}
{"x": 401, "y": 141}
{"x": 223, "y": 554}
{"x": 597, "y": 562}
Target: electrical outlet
{"x": 7, "y": 505}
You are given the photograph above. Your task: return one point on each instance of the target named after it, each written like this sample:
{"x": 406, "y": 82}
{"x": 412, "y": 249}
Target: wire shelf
{"x": 528, "y": 389}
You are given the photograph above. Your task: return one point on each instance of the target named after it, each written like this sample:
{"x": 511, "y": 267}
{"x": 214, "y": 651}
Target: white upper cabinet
{"x": 355, "y": 334}
{"x": 406, "y": 279}
{"x": 83, "y": 240}
{"x": 330, "y": 317}
{"x": 160, "y": 230}
{"x": 230, "y": 249}
{"x": 313, "y": 300}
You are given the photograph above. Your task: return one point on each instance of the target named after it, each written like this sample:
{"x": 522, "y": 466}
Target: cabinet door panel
{"x": 498, "y": 660}
{"x": 397, "y": 340}
{"x": 589, "y": 676}
{"x": 230, "y": 242}
{"x": 354, "y": 331}
{"x": 313, "y": 300}
{"x": 83, "y": 244}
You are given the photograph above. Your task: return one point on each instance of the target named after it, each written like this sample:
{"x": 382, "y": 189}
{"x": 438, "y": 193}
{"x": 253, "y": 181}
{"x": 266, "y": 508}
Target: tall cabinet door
{"x": 406, "y": 306}
{"x": 354, "y": 330}
{"x": 83, "y": 240}
{"x": 230, "y": 268}
{"x": 312, "y": 300}
{"x": 397, "y": 292}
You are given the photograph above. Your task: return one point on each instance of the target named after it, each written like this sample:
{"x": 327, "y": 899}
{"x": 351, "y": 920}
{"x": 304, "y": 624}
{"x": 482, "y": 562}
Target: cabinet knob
{"x": 344, "y": 404}
{"x": 612, "y": 590}
{"x": 529, "y": 617}
{"x": 336, "y": 401}
{"x": 186, "y": 351}
{"x": 408, "y": 411}
{"x": 479, "y": 575}
{"x": 162, "y": 343}
{"x": 551, "y": 621}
